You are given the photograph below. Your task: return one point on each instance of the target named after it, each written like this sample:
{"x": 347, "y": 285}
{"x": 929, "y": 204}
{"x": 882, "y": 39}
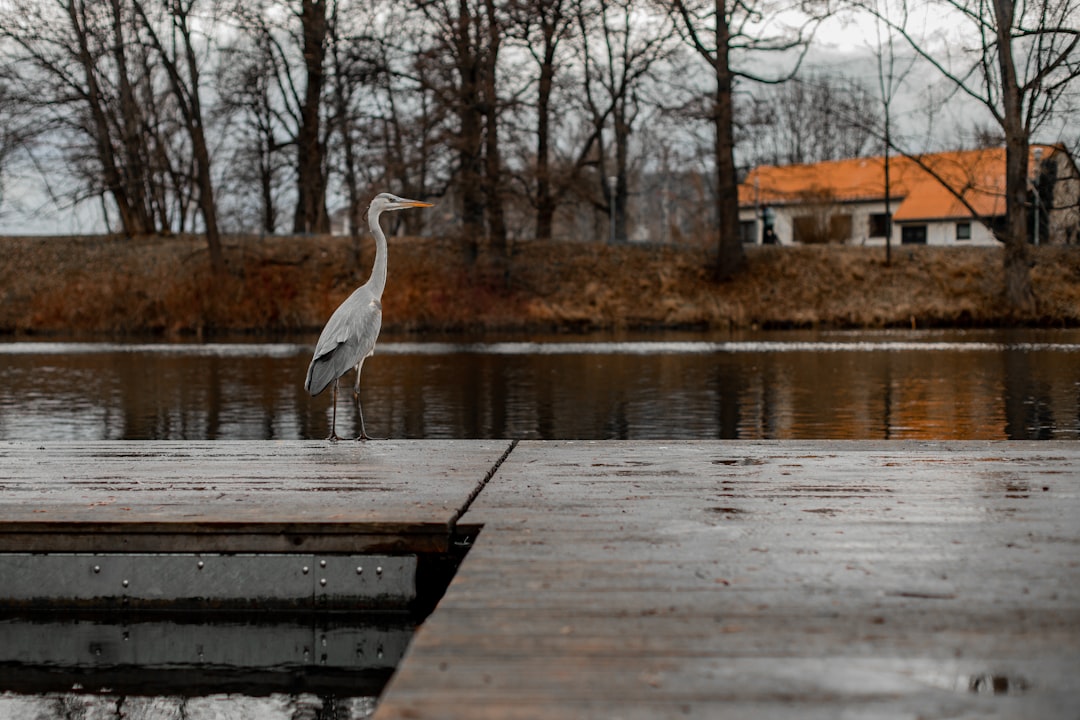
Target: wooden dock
{"x": 645, "y": 579}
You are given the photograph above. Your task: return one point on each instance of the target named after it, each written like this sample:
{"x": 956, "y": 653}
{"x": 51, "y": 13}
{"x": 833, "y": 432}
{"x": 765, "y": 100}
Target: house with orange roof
{"x": 949, "y": 198}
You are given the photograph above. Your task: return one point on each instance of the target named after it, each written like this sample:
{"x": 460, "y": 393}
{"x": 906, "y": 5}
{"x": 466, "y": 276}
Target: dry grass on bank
{"x": 106, "y": 285}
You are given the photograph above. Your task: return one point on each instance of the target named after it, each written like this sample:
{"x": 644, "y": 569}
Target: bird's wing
{"x": 348, "y": 338}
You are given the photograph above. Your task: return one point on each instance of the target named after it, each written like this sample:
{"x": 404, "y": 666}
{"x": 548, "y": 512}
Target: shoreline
{"x": 97, "y": 286}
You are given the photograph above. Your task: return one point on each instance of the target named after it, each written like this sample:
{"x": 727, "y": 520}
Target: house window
{"x": 963, "y": 231}
{"x": 748, "y": 232}
{"x": 913, "y": 235}
{"x": 879, "y": 225}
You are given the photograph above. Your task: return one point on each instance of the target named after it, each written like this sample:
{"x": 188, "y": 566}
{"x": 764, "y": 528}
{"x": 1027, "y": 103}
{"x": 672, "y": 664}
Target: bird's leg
{"x": 333, "y": 422}
{"x": 363, "y": 433}
{"x": 359, "y": 410}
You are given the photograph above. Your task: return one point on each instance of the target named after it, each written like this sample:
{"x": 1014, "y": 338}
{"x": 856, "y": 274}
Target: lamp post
{"x": 612, "y": 181}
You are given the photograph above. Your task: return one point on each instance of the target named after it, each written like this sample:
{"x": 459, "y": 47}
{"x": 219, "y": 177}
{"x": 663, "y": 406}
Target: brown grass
{"x": 107, "y": 285}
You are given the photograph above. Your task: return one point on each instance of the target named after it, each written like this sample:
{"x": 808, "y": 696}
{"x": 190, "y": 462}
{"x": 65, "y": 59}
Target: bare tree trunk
{"x": 266, "y": 186}
{"x": 888, "y": 193}
{"x": 311, "y": 215}
{"x": 470, "y": 139}
{"x": 207, "y": 204}
{"x": 545, "y": 201}
{"x": 492, "y": 158}
{"x": 729, "y": 249}
{"x": 621, "y": 128}
{"x": 131, "y": 128}
{"x": 1018, "y": 292}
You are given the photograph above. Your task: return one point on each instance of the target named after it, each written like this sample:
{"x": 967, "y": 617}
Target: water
{"x": 883, "y": 385}
{"x": 146, "y": 666}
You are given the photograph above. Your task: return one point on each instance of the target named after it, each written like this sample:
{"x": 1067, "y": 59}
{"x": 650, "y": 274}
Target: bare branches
{"x": 1027, "y": 54}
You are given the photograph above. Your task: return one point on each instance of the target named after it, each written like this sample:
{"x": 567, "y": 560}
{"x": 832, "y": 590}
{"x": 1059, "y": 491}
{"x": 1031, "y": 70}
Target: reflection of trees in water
{"x": 1029, "y": 413}
{"x": 913, "y": 394}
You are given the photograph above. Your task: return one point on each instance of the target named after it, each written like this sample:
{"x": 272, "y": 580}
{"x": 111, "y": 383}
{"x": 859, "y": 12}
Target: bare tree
{"x": 101, "y": 74}
{"x": 70, "y": 66}
{"x": 246, "y": 92}
{"x": 290, "y": 40}
{"x": 809, "y": 119}
{"x": 620, "y": 55}
{"x": 403, "y": 124}
{"x": 179, "y": 58}
{"x": 460, "y": 67}
{"x": 891, "y": 74}
{"x": 349, "y": 71}
{"x": 1023, "y": 60}
{"x": 16, "y": 133}
{"x": 541, "y": 27}
{"x": 720, "y": 32}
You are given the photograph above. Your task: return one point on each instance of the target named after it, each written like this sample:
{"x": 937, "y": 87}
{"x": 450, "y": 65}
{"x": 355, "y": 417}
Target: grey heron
{"x": 350, "y": 334}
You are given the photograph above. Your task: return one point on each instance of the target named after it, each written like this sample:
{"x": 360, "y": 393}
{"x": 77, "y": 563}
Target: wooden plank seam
{"x": 460, "y": 512}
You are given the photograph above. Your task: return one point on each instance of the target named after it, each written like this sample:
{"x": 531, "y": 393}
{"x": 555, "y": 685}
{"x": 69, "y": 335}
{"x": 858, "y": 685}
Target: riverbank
{"x": 106, "y": 285}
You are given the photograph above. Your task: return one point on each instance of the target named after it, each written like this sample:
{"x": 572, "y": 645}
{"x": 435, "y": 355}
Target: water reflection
{"x": 277, "y": 706}
{"x": 211, "y": 667}
{"x": 880, "y": 386}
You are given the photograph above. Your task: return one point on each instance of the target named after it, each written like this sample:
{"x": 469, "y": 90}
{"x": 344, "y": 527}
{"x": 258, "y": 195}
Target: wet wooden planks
{"x": 386, "y": 496}
{"x": 766, "y": 580}
{"x": 643, "y": 579}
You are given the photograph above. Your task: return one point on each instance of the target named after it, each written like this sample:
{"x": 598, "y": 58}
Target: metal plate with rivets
{"x": 187, "y": 580}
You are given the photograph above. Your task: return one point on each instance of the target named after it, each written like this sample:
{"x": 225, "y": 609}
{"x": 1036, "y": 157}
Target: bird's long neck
{"x": 377, "y": 282}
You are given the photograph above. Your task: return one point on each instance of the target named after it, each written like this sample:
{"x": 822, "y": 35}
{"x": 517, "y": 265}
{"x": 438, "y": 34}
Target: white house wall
{"x": 937, "y": 232}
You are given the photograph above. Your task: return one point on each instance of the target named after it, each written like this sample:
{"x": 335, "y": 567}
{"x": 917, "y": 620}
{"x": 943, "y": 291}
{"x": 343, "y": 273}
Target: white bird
{"x": 350, "y": 334}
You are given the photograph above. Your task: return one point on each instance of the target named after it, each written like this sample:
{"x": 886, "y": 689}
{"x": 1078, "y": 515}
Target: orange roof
{"x": 978, "y": 174}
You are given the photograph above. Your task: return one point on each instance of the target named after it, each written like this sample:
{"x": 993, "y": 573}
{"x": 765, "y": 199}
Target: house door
{"x": 913, "y": 235}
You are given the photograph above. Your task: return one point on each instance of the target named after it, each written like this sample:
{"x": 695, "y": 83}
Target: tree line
{"x": 266, "y": 115}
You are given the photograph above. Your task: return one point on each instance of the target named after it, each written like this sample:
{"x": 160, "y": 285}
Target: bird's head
{"x": 389, "y": 201}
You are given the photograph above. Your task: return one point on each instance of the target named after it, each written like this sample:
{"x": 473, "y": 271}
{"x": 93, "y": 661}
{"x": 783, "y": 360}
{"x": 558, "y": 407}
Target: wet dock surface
{"x": 647, "y": 579}
{"x": 233, "y": 496}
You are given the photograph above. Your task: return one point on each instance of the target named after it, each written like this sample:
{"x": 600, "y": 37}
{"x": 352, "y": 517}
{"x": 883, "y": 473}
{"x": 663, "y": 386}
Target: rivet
{"x": 359, "y": 570}
{"x": 322, "y": 581}
{"x": 322, "y": 563}
{"x": 378, "y": 570}
{"x": 200, "y": 564}
{"x": 304, "y": 570}
{"x": 97, "y": 568}
{"x": 124, "y": 583}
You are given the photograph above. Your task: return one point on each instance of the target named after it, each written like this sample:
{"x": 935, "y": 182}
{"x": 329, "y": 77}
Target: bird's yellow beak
{"x": 417, "y": 203}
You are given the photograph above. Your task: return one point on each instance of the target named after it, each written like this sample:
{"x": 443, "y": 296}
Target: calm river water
{"x": 937, "y": 385}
